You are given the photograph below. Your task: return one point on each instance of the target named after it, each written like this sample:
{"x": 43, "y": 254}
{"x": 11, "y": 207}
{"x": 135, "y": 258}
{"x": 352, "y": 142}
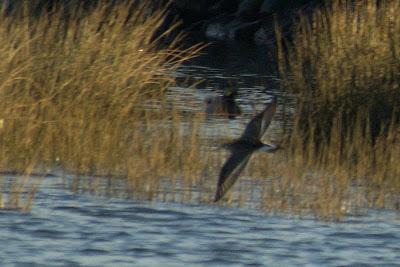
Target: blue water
{"x": 66, "y": 229}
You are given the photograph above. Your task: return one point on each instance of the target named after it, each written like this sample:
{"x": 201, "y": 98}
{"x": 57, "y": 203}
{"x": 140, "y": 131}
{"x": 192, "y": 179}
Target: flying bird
{"x": 241, "y": 149}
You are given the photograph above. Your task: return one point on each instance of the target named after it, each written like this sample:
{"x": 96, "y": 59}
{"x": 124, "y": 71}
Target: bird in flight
{"x": 241, "y": 149}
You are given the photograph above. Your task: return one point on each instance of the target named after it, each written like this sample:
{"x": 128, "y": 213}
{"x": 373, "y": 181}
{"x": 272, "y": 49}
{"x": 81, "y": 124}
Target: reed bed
{"x": 85, "y": 94}
{"x": 74, "y": 94}
{"x": 342, "y": 65}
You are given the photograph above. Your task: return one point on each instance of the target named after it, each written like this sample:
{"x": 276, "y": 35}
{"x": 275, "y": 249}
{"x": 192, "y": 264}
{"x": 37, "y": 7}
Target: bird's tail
{"x": 270, "y": 148}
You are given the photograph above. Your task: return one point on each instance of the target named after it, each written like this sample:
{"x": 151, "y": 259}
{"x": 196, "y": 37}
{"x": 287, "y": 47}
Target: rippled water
{"x": 65, "y": 229}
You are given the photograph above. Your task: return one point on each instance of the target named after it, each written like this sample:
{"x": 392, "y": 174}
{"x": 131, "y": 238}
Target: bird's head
{"x": 230, "y": 92}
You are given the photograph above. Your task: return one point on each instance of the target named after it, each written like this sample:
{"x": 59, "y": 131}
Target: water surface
{"x": 66, "y": 229}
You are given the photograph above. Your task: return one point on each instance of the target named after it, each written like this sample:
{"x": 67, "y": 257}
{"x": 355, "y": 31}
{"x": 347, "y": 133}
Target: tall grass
{"x": 343, "y": 66}
{"x": 346, "y": 58}
{"x": 73, "y": 92}
{"x": 83, "y": 91}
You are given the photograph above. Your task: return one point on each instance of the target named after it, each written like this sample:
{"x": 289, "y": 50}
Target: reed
{"x": 85, "y": 94}
{"x": 74, "y": 92}
{"x": 346, "y": 57}
{"x": 342, "y": 67}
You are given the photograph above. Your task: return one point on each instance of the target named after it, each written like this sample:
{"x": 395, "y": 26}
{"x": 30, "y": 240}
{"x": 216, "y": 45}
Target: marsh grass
{"x": 73, "y": 95}
{"x": 85, "y": 94}
{"x": 343, "y": 65}
{"x": 18, "y": 190}
{"x": 346, "y": 59}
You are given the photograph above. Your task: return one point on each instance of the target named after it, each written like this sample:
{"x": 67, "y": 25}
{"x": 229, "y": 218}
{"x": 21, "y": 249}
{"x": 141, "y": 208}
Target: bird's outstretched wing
{"x": 256, "y": 128}
{"x": 233, "y": 166}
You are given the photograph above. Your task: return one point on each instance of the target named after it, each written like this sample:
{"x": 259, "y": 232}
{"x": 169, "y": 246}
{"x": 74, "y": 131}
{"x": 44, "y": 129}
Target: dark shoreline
{"x": 251, "y": 21}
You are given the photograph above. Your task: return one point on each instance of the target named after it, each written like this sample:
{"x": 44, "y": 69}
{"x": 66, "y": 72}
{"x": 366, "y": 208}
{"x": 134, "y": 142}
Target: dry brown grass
{"x": 345, "y": 48}
{"x": 73, "y": 95}
{"x": 76, "y": 95}
{"x": 343, "y": 68}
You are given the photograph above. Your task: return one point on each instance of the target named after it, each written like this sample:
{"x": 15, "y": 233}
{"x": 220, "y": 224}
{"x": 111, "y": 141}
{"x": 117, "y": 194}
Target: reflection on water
{"x": 203, "y": 82}
{"x": 66, "y": 229}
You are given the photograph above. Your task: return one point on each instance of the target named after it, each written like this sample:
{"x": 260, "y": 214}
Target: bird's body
{"x": 242, "y": 149}
{"x": 223, "y": 105}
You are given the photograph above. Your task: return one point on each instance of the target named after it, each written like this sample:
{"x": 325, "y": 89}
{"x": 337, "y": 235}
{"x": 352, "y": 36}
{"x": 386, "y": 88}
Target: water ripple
{"x": 64, "y": 229}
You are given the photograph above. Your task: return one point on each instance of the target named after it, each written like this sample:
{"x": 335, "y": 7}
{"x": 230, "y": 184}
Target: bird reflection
{"x": 241, "y": 149}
